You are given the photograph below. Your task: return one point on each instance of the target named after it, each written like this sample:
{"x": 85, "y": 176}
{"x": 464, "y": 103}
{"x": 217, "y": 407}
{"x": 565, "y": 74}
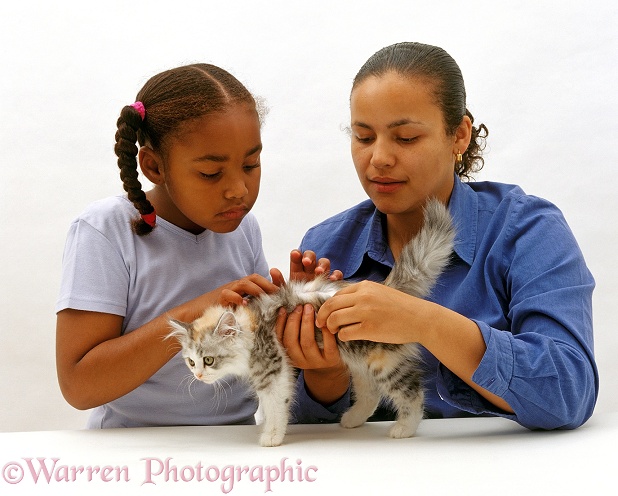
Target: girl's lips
{"x": 234, "y": 213}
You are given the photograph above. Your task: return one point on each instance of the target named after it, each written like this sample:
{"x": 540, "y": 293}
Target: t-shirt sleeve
{"x": 94, "y": 275}
{"x": 255, "y": 239}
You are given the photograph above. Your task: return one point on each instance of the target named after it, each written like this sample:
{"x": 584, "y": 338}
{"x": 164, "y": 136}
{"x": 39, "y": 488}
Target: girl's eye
{"x": 408, "y": 140}
{"x": 363, "y": 139}
{"x": 191, "y": 362}
{"x": 210, "y": 176}
{"x": 208, "y": 361}
{"x": 251, "y": 167}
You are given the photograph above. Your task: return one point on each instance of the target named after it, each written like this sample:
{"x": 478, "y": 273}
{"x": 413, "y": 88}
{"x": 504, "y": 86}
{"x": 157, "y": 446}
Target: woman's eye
{"x": 251, "y": 166}
{"x": 363, "y": 139}
{"x": 208, "y": 361}
{"x": 191, "y": 362}
{"x": 408, "y": 140}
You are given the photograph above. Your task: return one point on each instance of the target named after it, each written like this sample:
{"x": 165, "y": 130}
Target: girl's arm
{"x": 101, "y": 365}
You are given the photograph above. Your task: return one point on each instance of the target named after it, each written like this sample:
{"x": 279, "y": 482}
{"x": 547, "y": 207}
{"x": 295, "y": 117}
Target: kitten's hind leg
{"x": 409, "y": 416}
{"x": 366, "y": 399}
{"x": 407, "y": 396}
{"x": 275, "y": 399}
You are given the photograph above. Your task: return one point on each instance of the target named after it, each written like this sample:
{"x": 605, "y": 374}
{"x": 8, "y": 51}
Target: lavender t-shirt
{"x": 107, "y": 268}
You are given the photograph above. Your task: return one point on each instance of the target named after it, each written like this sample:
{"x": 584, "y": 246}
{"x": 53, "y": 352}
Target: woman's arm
{"x": 368, "y": 310}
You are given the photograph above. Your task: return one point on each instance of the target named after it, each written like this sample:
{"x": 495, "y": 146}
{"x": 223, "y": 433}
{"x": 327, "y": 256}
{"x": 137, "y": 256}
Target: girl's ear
{"x": 151, "y": 165}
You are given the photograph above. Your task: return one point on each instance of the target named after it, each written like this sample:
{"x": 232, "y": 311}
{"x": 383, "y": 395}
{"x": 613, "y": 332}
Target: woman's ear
{"x": 463, "y": 135}
{"x": 151, "y": 165}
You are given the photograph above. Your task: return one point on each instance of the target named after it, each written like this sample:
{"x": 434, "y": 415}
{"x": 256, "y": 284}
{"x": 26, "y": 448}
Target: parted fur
{"x": 242, "y": 341}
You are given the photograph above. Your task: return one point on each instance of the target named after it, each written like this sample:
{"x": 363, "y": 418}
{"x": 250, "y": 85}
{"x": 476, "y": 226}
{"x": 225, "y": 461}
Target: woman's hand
{"x": 326, "y": 377}
{"x": 305, "y": 267}
{"x": 296, "y": 332}
{"x": 374, "y": 312}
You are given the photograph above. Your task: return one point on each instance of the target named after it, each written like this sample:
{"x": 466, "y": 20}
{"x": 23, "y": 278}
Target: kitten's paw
{"x": 352, "y": 419}
{"x": 271, "y": 438}
{"x": 400, "y": 430}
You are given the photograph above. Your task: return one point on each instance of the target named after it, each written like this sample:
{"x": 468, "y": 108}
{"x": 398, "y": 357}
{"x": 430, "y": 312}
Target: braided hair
{"x": 165, "y": 102}
{"x": 427, "y": 61}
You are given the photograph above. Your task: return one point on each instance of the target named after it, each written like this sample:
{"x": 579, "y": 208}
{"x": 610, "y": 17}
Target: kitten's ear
{"x": 227, "y": 325}
{"x": 179, "y": 329}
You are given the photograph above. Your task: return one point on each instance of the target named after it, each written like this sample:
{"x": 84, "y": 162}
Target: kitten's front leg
{"x": 275, "y": 401}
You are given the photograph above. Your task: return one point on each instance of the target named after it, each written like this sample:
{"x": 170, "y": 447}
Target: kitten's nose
{"x": 198, "y": 376}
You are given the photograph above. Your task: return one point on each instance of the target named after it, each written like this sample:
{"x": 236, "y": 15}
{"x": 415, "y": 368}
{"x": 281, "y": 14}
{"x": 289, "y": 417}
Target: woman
{"x": 508, "y": 329}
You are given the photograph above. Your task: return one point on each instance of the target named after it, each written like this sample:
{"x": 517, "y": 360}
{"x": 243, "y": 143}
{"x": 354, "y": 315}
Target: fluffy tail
{"x": 426, "y": 255}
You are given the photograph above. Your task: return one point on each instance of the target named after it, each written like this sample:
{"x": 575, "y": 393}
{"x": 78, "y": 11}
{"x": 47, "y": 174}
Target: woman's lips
{"x": 386, "y": 184}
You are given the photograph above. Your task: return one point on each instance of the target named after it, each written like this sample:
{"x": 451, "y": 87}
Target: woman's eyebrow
{"x": 397, "y": 123}
{"x": 403, "y": 122}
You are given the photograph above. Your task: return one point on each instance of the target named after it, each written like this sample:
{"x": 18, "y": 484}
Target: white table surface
{"x": 477, "y": 456}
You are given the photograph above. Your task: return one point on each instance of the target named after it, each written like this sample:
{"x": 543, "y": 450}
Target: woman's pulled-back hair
{"x": 169, "y": 99}
{"x": 430, "y": 62}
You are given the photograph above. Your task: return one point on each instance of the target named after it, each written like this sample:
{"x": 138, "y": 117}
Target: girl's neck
{"x": 166, "y": 209}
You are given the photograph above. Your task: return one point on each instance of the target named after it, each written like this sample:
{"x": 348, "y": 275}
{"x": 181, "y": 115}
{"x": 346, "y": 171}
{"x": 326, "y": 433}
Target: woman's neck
{"x": 400, "y": 229}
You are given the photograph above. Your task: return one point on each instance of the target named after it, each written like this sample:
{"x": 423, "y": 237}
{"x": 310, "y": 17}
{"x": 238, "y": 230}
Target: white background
{"x": 542, "y": 76}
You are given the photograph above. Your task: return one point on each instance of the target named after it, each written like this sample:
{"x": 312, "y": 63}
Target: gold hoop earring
{"x": 458, "y": 159}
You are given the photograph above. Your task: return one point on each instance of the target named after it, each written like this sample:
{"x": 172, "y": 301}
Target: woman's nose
{"x": 382, "y": 154}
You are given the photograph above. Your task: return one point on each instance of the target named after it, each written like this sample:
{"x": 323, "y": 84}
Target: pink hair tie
{"x": 141, "y": 110}
{"x": 150, "y": 219}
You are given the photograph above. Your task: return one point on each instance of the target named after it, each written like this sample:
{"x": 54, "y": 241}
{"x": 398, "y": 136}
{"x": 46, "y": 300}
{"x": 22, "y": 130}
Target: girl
{"x": 132, "y": 262}
{"x": 508, "y": 329}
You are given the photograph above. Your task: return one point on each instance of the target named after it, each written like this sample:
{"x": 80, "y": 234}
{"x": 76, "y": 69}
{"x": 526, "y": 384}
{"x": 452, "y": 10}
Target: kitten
{"x": 241, "y": 341}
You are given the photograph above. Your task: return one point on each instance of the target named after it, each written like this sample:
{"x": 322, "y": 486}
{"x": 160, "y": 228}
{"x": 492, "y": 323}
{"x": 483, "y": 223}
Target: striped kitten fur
{"x": 241, "y": 341}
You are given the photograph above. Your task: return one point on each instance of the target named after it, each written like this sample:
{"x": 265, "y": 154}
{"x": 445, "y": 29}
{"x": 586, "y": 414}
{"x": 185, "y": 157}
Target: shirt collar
{"x": 463, "y": 206}
{"x": 371, "y": 242}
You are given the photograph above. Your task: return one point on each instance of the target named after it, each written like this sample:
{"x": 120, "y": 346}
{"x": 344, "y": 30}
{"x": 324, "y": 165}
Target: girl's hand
{"x": 374, "y": 312}
{"x": 304, "y": 267}
{"x": 234, "y": 293}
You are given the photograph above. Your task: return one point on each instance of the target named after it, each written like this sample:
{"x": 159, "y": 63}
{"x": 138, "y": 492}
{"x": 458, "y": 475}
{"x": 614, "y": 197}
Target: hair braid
{"x": 126, "y": 149}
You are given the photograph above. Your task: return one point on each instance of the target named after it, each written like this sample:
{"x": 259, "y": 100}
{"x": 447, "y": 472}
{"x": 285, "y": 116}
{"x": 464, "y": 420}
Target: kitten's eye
{"x": 208, "y": 361}
{"x": 191, "y": 362}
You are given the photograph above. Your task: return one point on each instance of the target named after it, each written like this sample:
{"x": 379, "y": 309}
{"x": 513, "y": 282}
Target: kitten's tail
{"x": 426, "y": 255}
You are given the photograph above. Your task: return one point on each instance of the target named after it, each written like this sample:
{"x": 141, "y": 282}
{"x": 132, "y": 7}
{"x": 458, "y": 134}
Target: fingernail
{"x": 281, "y": 311}
{"x": 298, "y": 309}
{"x": 308, "y": 309}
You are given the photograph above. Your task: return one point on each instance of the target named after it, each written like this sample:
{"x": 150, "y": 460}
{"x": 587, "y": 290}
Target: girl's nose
{"x": 236, "y": 189}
